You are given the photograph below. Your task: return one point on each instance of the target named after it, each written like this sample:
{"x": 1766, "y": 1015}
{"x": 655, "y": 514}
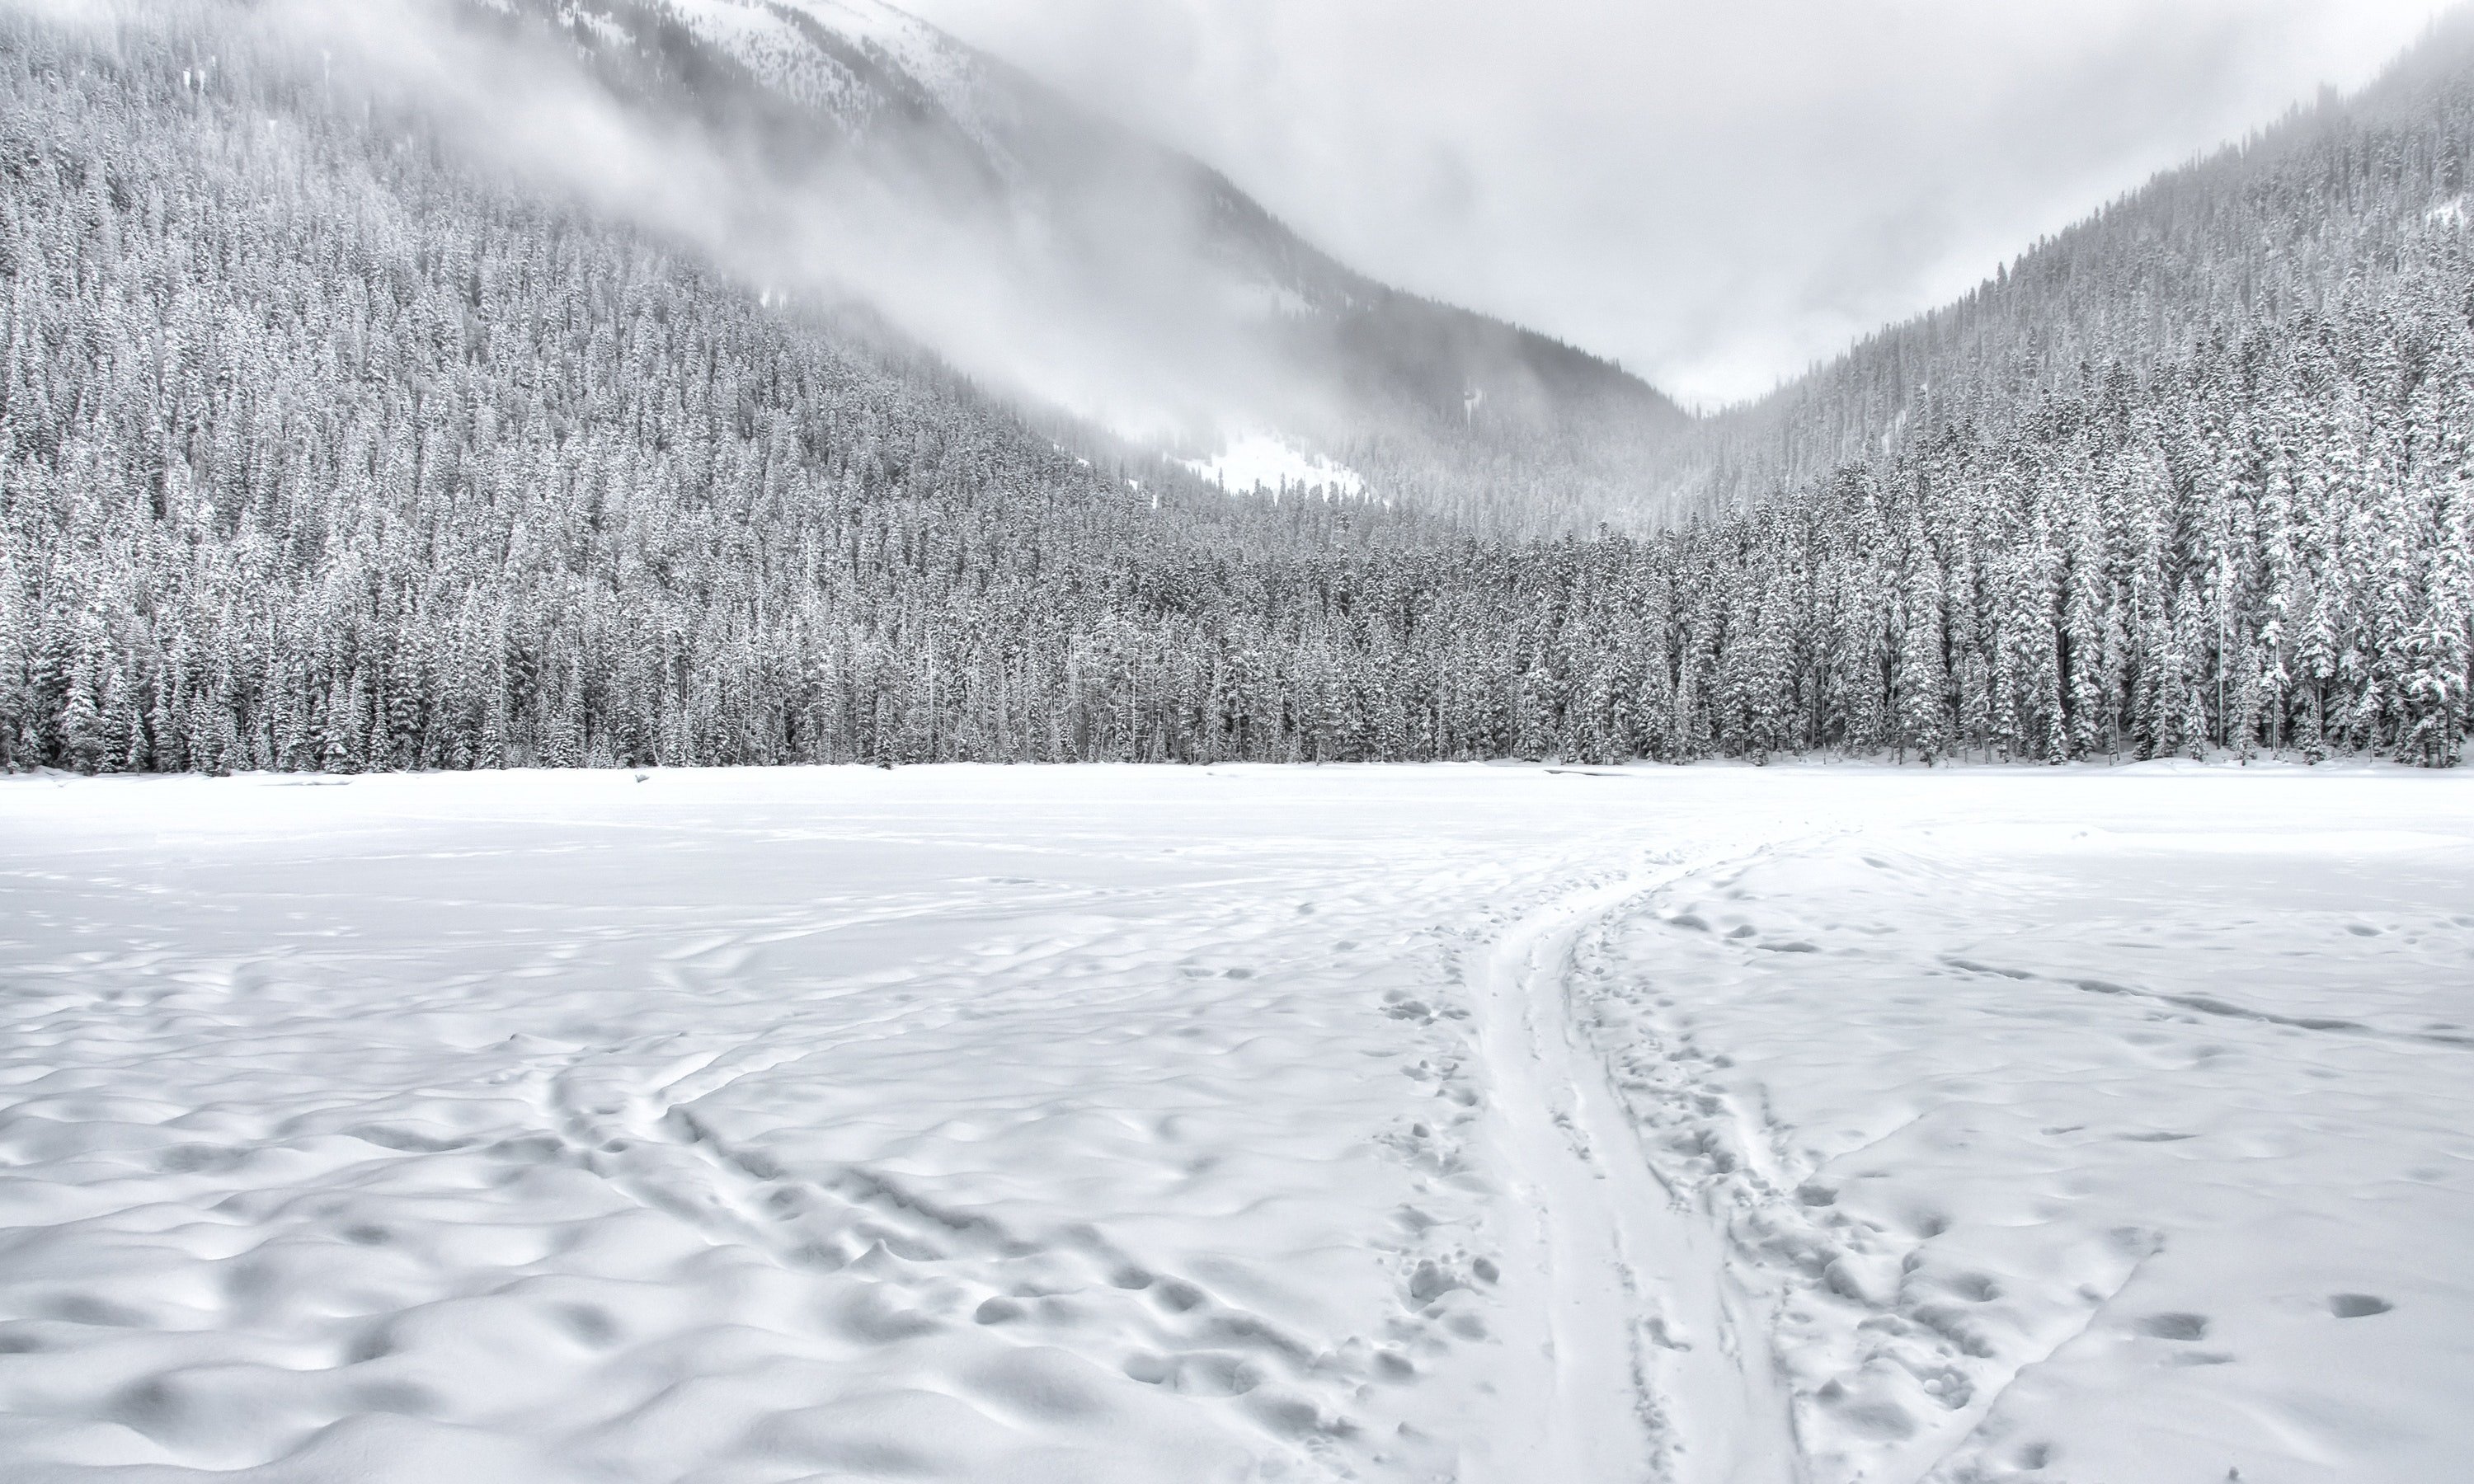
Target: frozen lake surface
{"x": 1481, "y": 1123}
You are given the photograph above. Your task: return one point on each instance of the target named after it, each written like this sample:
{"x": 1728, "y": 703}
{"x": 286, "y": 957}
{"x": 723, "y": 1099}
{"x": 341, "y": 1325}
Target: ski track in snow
{"x": 1632, "y": 1280}
{"x": 1456, "y": 1123}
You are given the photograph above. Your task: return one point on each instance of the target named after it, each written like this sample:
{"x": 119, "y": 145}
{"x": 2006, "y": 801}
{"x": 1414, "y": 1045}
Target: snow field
{"x": 2105, "y": 1150}
{"x": 1492, "y": 1123}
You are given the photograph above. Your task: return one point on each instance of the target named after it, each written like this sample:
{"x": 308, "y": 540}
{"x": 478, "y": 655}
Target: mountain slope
{"x": 1124, "y": 281}
{"x": 2329, "y": 202}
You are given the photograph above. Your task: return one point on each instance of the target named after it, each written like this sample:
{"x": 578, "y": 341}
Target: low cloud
{"x": 1715, "y": 194}
{"x": 1133, "y": 334}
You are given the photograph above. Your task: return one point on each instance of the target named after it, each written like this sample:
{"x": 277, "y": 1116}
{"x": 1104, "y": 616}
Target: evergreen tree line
{"x": 318, "y": 452}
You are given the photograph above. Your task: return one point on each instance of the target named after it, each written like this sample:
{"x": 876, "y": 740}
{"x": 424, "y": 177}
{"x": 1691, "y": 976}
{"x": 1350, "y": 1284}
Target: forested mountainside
{"x": 323, "y": 448}
{"x": 2332, "y": 201}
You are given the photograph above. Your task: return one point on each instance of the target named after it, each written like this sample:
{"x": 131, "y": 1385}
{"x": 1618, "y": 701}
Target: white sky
{"x": 1715, "y": 192}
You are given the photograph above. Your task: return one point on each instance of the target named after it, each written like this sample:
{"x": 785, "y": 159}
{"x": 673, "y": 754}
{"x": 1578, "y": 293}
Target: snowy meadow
{"x": 1486, "y": 1123}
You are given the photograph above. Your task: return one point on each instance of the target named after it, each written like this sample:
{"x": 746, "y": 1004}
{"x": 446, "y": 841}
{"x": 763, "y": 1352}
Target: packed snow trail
{"x": 1470, "y": 1124}
{"x": 1659, "y": 1368}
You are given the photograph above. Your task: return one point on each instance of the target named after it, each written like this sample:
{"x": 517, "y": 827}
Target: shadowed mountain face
{"x": 846, "y": 151}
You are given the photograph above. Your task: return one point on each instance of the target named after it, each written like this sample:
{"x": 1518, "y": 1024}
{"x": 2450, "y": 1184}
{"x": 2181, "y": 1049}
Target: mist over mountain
{"x": 840, "y": 152}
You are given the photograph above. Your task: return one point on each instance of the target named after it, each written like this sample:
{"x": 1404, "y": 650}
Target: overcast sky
{"x": 1714, "y": 192}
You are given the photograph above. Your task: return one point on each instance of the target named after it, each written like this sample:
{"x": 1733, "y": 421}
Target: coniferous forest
{"x": 320, "y": 450}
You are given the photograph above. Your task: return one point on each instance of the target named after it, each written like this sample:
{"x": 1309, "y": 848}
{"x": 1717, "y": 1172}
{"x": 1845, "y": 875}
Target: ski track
{"x": 1457, "y": 1126}
{"x": 1658, "y": 1368}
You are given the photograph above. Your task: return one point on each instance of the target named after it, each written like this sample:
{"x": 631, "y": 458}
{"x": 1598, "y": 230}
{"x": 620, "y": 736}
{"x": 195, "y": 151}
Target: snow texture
{"x": 774, "y": 40}
{"x": 1262, "y": 462}
{"x": 1459, "y": 1122}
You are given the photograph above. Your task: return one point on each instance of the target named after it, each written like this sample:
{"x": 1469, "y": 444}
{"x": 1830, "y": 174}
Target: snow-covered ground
{"x": 1481, "y": 1123}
